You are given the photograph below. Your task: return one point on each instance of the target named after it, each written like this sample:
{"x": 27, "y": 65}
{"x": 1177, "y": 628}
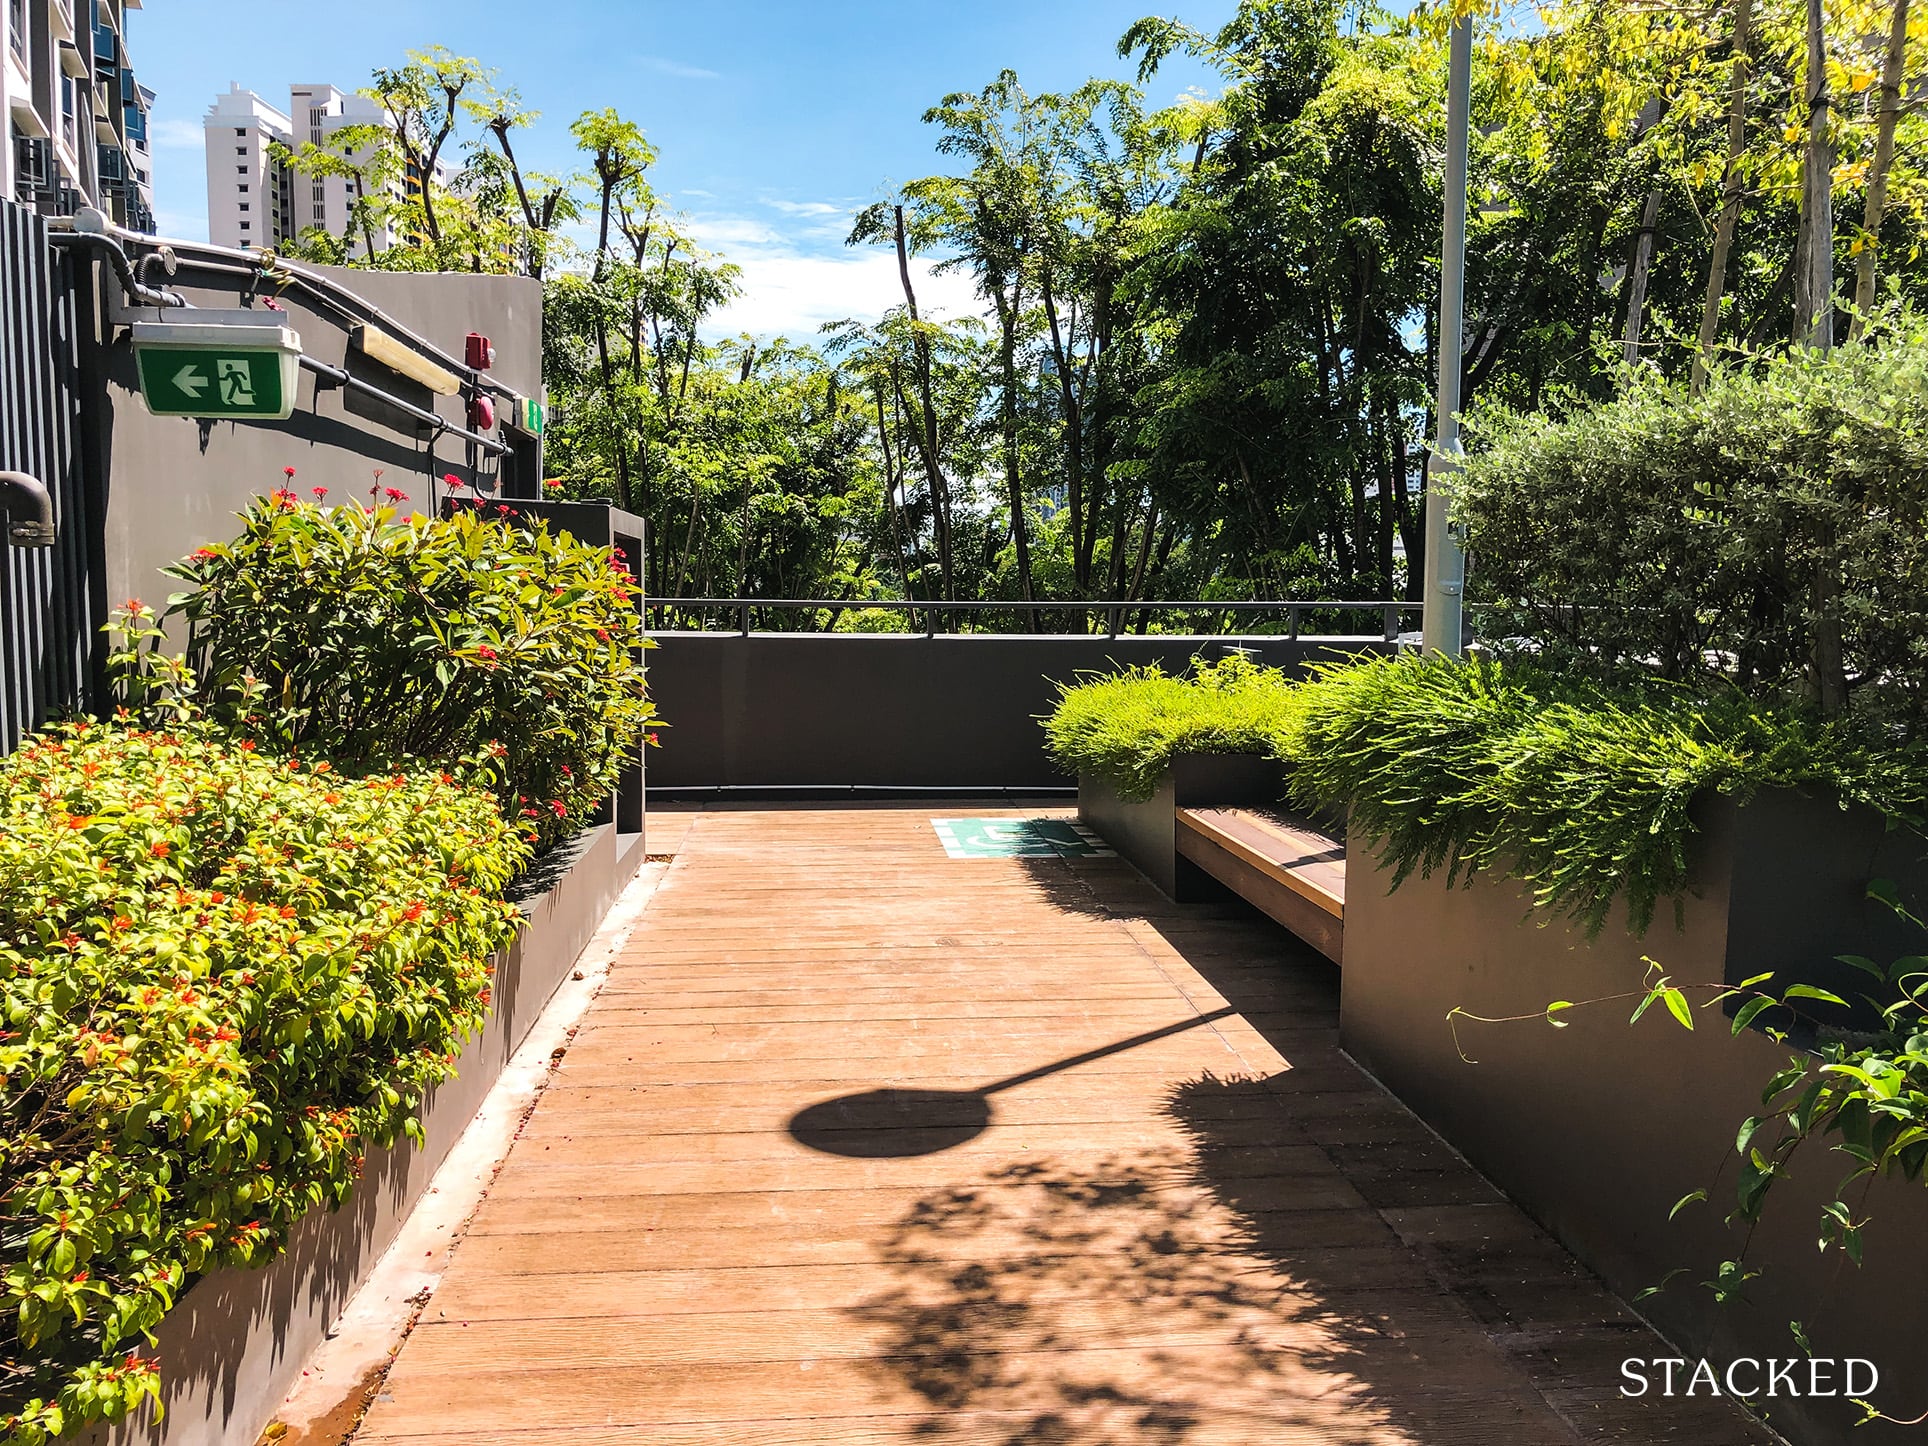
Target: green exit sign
{"x": 205, "y": 370}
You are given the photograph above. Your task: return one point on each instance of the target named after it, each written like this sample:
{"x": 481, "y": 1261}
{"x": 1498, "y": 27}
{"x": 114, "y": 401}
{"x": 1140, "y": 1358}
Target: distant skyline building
{"x": 76, "y": 116}
{"x": 257, "y": 199}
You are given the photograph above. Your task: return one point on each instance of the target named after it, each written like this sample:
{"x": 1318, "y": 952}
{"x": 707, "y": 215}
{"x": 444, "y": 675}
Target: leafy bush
{"x": 1580, "y": 790}
{"x": 1771, "y": 531}
{"x": 223, "y": 977}
{"x": 347, "y": 633}
{"x": 871, "y": 620}
{"x": 1127, "y": 726}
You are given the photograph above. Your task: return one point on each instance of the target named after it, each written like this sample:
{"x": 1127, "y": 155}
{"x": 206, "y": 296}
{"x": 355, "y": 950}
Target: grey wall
{"x": 884, "y": 710}
{"x": 174, "y": 483}
{"x": 1598, "y": 1129}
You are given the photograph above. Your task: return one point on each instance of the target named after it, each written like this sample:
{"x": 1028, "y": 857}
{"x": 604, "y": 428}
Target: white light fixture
{"x": 377, "y": 345}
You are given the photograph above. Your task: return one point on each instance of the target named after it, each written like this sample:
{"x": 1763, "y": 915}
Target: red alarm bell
{"x": 480, "y": 352}
{"x": 481, "y": 413}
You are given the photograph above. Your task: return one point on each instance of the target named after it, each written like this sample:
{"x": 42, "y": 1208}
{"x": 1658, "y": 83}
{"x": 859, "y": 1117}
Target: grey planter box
{"x": 1144, "y": 833}
{"x": 1599, "y": 1128}
{"x": 235, "y": 1343}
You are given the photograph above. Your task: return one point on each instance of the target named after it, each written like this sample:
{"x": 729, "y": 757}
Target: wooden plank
{"x": 1216, "y": 1234}
{"x": 1310, "y": 863}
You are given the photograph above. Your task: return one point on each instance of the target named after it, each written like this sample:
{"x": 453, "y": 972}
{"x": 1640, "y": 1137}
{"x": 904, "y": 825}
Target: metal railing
{"x": 1206, "y": 617}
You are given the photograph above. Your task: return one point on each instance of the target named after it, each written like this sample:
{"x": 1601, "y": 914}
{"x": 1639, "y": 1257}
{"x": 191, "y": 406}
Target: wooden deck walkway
{"x": 864, "y": 1144}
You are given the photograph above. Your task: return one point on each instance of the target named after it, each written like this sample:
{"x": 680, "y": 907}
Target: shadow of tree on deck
{"x": 1108, "y": 1301}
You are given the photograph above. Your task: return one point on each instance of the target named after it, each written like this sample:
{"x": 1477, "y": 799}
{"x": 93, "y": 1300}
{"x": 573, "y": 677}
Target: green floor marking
{"x": 1018, "y": 838}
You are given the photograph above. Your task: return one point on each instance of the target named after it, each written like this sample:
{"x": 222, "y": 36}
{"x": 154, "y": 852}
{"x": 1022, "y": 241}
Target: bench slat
{"x": 1305, "y": 861}
{"x": 1295, "y": 874}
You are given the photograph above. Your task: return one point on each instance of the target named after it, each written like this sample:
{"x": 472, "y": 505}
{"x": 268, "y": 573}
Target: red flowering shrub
{"x": 224, "y": 976}
{"x": 472, "y": 642}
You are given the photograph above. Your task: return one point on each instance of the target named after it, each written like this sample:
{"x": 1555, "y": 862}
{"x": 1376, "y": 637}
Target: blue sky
{"x": 775, "y": 118}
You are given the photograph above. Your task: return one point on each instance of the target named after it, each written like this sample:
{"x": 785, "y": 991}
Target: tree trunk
{"x": 533, "y": 262}
{"x": 1643, "y": 257}
{"x": 1411, "y": 521}
{"x": 1814, "y": 278}
{"x": 1007, "y": 317}
{"x": 1073, "y": 444}
{"x": 1388, "y": 511}
{"x": 689, "y": 538}
{"x": 890, "y": 500}
{"x": 1730, "y": 207}
{"x": 927, "y": 433}
{"x": 1892, "y": 71}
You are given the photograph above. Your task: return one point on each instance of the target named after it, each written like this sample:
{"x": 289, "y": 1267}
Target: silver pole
{"x": 1445, "y": 563}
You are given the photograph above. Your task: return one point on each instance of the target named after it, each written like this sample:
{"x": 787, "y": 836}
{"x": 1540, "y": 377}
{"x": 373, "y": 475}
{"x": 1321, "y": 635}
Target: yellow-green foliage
{"x": 1126, "y": 727}
{"x": 1582, "y": 791}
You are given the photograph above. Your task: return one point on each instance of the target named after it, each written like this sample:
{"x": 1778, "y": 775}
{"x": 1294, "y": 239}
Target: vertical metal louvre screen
{"x": 46, "y": 614}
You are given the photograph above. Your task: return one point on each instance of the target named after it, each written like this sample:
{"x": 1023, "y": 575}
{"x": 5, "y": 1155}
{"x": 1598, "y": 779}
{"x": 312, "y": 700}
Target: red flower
{"x": 552, "y": 484}
{"x": 486, "y": 654}
{"x": 202, "y": 554}
{"x": 159, "y": 850}
{"x": 453, "y": 480}
{"x": 413, "y": 912}
{"x": 652, "y": 739}
{"x": 287, "y": 471}
{"x": 247, "y": 745}
{"x": 320, "y": 492}
{"x": 558, "y": 808}
{"x": 394, "y": 494}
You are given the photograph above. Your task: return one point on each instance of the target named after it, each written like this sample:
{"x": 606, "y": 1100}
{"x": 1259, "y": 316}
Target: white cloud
{"x": 175, "y": 134}
{"x": 730, "y": 234}
{"x": 798, "y": 275}
{"x": 806, "y": 208}
{"x": 662, "y": 65}
{"x": 787, "y": 294}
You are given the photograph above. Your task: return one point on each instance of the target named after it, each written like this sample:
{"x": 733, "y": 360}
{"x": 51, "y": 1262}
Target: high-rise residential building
{"x": 250, "y": 190}
{"x": 76, "y": 116}
{"x": 256, "y": 199}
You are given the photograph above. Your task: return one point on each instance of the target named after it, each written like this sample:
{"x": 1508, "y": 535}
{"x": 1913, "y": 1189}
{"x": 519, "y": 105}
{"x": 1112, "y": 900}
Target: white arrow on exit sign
{"x": 190, "y": 381}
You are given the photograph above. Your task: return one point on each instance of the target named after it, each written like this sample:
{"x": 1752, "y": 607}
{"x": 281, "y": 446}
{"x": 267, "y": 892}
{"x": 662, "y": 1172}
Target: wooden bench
{"x": 1278, "y": 863}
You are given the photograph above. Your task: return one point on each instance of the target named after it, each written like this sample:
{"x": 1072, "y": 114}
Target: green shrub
{"x": 1580, "y": 790}
{"x": 1126, "y": 727}
{"x": 345, "y": 633}
{"x": 1770, "y": 532}
{"x": 224, "y": 976}
{"x": 871, "y": 620}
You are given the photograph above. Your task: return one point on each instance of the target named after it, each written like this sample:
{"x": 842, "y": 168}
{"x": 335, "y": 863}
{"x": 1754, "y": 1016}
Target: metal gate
{"x": 48, "y": 608}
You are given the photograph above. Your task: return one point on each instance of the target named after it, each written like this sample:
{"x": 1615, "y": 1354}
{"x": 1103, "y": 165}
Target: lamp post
{"x": 1445, "y": 563}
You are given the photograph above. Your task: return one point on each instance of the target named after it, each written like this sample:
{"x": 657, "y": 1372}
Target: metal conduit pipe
{"x": 109, "y": 248}
{"x": 338, "y": 298}
{"x": 30, "y": 510}
{"x": 336, "y": 377}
